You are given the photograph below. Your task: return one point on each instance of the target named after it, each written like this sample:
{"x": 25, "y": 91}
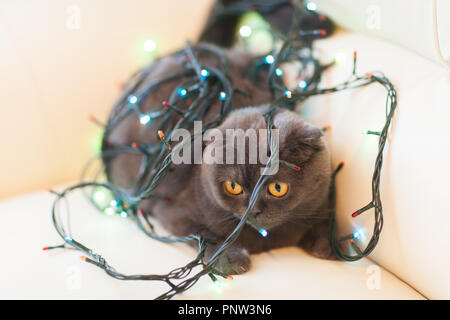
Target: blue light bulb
{"x": 132, "y": 99}
{"x": 278, "y": 72}
{"x": 204, "y": 73}
{"x": 311, "y": 6}
{"x": 182, "y": 92}
{"x": 263, "y": 232}
{"x": 302, "y": 84}
{"x": 144, "y": 119}
{"x": 223, "y": 96}
{"x": 269, "y": 59}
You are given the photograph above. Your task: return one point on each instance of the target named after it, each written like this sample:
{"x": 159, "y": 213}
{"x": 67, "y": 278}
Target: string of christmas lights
{"x": 204, "y": 86}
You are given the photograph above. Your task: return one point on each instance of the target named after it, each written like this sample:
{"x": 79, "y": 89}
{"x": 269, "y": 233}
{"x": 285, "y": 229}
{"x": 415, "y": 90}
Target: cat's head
{"x": 286, "y": 195}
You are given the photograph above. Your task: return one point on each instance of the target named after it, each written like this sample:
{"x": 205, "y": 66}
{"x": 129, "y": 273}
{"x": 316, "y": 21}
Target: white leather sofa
{"x": 55, "y": 77}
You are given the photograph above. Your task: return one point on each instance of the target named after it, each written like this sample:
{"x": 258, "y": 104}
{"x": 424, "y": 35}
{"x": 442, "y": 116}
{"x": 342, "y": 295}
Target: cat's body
{"x": 199, "y": 203}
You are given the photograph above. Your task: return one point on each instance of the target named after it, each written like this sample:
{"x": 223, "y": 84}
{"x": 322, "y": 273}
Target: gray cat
{"x": 211, "y": 199}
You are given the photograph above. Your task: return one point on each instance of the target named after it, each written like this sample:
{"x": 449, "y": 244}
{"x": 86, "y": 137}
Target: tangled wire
{"x": 205, "y": 85}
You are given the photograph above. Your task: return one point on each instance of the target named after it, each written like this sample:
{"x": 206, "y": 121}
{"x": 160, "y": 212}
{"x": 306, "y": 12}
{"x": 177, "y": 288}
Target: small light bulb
{"x": 144, "y": 119}
{"x": 149, "y": 45}
{"x": 182, "y": 92}
{"x": 217, "y": 284}
{"x": 132, "y": 99}
{"x": 263, "y": 232}
{"x": 109, "y": 211}
{"x": 288, "y": 94}
{"x": 339, "y": 58}
{"x": 114, "y": 203}
{"x": 68, "y": 238}
{"x": 98, "y": 196}
{"x": 302, "y": 84}
{"x": 124, "y": 214}
{"x": 311, "y": 6}
{"x": 278, "y": 72}
{"x": 269, "y": 59}
{"x": 204, "y": 73}
{"x": 245, "y": 31}
{"x": 356, "y": 235}
{"x": 223, "y": 96}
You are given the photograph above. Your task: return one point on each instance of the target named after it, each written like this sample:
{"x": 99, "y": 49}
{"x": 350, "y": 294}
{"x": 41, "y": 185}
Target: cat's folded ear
{"x": 299, "y": 140}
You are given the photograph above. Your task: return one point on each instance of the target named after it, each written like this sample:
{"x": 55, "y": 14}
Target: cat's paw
{"x": 233, "y": 261}
{"x": 324, "y": 252}
{"x": 320, "y": 248}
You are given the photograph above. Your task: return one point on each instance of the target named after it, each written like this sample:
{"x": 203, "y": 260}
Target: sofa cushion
{"x": 54, "y": 76}
{"x": 408, "y": 23}
{"x": 414, "y": 243}
{"x": 28, "y": 272}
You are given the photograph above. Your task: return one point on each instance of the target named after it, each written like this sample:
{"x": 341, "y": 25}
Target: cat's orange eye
{"x": 278, "y": 189}
{"x": 233, "y": 187}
